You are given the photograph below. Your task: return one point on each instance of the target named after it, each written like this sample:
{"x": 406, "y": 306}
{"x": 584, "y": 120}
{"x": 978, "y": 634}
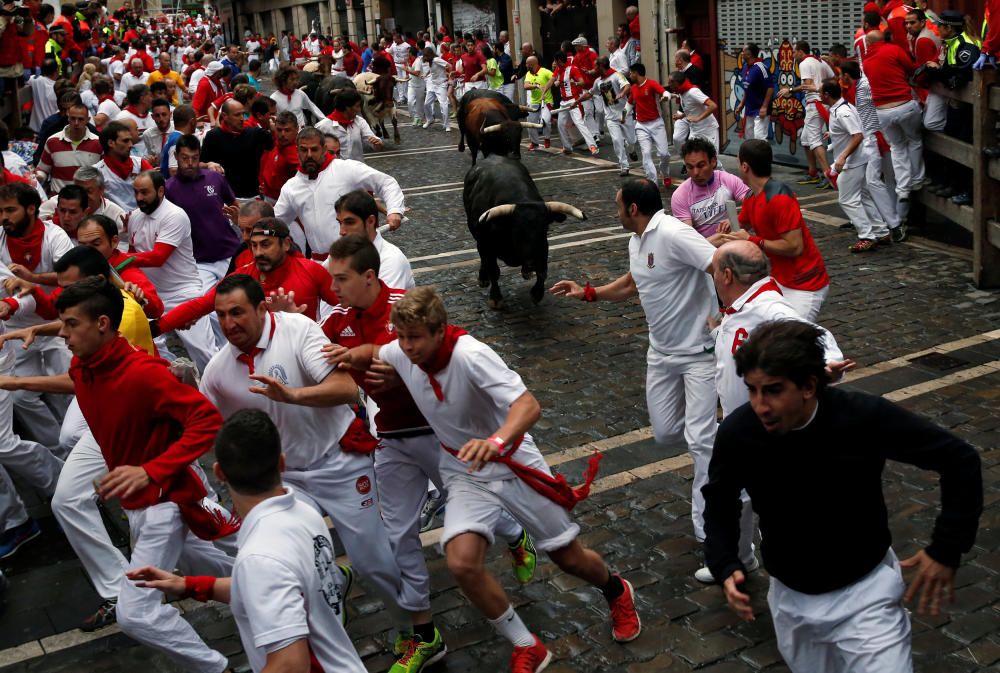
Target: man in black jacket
{"x": 811, "y": 459}
{"x": 238, "y": 149}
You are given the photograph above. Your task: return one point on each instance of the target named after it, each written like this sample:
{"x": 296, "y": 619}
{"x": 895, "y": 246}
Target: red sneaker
{"x": 530, "y": 659}
{"x": 546, "y": 143}
{"x": 531, "y": 147}
{"x": 668, "y": 183}
{"x": 625, "y": 623}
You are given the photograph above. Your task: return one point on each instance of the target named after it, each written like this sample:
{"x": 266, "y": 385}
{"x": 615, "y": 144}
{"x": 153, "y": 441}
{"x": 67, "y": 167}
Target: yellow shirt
{"x": 541, "y": 78}
{"x": 156, "y": 76}
{"x": 135, "y": 326}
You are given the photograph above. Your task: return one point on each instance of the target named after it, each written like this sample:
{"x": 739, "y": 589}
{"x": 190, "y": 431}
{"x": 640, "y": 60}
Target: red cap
{"x": 871, "y": 7}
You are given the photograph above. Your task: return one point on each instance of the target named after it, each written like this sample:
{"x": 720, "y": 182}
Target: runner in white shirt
{"x": 697, "y": 111}
{"x": 437, "y": 88}
{"x": 812, "y": 72}
{"x": 286, "y": 591}
{"x": 400, "y": 51}
{"x": 293, "y": 99}
{"x": 668, "y": 265}
{"x": 348, "y": 125}
{"x": 416, "y": 89}
{"x": 481, "y": 412}
{"x": 135, "y": 75}
{"x": 357, "y": 213}
{"x": 311, "y": 194}
{"x": 253, "y": 49}
{"x": 610, "y": 91}
{"x": 161, "y": 233}
{"x": 751, "y": 298}
{"x": 275, "y": 362}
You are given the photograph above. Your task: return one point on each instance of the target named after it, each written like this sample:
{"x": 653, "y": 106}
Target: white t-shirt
{"x": 129, "y": 80}
{"x": 478, "y": 390}
{"x": 142, "y": 122}
{"x": 291, "y": 353}
{"x": 759, "y": 304}
{"x": 814, "y": 69}
{"x": 844, "y": 123}
{"x": 253, "y": 50}
{"x": 693, "y": 102}
{"x": 110, "y": 108}
{"x": 439, "y": 72}
{"x": 668, "y": 265}
{"x": 43, "y": 101}
{"x": 55, "y": 243}
{"x": 394, "y": 269}
{"x": 286, "y": 586}
{"x": 400, "y": 52}
{"x": 177, "y": 280}
{"x": 116, "y": 68}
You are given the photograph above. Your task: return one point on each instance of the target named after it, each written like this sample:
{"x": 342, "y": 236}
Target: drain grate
{"x": 939, "y": 362}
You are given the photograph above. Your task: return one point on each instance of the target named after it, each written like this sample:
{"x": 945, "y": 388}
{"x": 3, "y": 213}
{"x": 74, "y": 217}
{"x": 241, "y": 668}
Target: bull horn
{"x": 531, "y": 125}
{"x": 491, "y": 129}
{"x": 497, "y": 211}
{"x": 526, "y": 108}
{"x": 404, "y": 79}
{"x": 565, "y": 209}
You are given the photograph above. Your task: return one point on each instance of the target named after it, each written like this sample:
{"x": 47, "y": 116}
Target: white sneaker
{"x": 427, "y": 124}
{"x": 704, "y": 575}
{"x": 447, "y": 128}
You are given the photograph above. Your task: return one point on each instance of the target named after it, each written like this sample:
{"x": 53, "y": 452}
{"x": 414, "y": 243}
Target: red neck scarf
{"x": 338, "y": 116}
{"x": 248, "y": 358}
{"x": 769, "y": 286}
{"x": 101, "y": 99}
{"x": 326, "y": 162}
{"x": 288, "y": 94}
{"x": 684, "y": 87}
{"x": 442, "y": 357}
{"x": 131, "y": 108}
{"x": 121, "y": 168}
{"x": 27, "y": 250}
{"x": 225, "y": 129}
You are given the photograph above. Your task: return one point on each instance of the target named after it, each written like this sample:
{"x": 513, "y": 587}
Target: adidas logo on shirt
{"x": 348, "y": 332}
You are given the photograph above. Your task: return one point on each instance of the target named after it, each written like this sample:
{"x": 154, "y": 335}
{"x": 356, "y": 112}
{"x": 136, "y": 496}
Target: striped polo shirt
{"x": 62, "y": 157}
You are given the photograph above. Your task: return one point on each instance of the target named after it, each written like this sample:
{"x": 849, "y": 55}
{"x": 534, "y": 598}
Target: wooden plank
{"x": 993, "y": 166}
{"x": 985, "y": 194}
{"x": 965, "y": 94}
{"x": 993, "y": 232}
{"x": 960, "y": 215}
{"x": 948, "y": 147}
{"x": 995, "y": 99}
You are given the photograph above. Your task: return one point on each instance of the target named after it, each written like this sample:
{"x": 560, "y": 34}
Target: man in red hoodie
{"x": 894, "y": 13}
{"x": 150, "y": 436}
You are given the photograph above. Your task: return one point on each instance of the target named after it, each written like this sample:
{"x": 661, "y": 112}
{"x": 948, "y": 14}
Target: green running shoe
{"x": 345, "y": 589}
{"x": 523, "y": 558}
{"x": 403, "y": 639}
{"x": 418, "y": 655}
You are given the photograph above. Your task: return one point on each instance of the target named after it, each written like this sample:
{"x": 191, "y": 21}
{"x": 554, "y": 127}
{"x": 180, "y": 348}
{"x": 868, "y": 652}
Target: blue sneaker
{"x": 433, "y": 507}
{"x": 12, "y": 539}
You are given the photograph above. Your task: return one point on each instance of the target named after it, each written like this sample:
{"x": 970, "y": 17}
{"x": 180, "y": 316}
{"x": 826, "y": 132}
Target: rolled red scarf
{"x": 442, "y": 357}
{"x": 199, "y": 587}
{"x": 27, "y": 250}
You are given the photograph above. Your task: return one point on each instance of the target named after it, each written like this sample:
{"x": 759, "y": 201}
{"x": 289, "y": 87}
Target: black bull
{"x": 323, "y": 90}
{"x": 491, "y": 123}
{"x": 510, "y": 222}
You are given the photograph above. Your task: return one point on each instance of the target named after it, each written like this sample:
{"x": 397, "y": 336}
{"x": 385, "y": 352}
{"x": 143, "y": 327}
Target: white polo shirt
{"x": 291, "y": 352}
{"x": 177, "y": 279}
{"x": 762, "y": 302}
{"x": 55, "y": 243}
{"x": 286, "y": 586}
{"x": 478, "y": 390}
{"x": 844, "y": 123}
{"x": 352, "y": 137}
{"x": 394, "y": 269}
{"x": 693, "y": 102}
{"x": 668, "y": 265}
{"x": 814, "y": 69}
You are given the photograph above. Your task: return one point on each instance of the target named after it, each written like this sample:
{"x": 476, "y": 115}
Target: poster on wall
{"x": 472, "y": 15}
{"x": 787, "y": 115}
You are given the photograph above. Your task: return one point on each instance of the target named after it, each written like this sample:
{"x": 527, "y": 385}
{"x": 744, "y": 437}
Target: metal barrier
{"x": 982, "y": 218}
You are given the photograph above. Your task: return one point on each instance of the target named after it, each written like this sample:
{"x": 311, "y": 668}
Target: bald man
{"x": 750, "y": 298}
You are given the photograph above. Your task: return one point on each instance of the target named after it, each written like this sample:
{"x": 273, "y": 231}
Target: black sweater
{"x": 240, "y": 156}
{"x": 818, "y": 490}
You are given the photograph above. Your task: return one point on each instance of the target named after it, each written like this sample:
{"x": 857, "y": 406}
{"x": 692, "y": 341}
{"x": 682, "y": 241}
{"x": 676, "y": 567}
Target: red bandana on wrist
{"x": 27, "y": 250}
{"x": 338, "y": 116}
{"x": 442, "y": 357}
{"x": 122, "y": 169}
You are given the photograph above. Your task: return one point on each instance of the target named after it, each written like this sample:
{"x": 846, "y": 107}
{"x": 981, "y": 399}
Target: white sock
{"x": 510, "y": 626}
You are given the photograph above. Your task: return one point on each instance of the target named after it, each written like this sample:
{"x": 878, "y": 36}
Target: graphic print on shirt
{"x": 278, "y": 372}
{"x": 326, "y": 566}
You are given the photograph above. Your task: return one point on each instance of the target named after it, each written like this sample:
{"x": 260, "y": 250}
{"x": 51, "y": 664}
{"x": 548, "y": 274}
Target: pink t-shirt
{"x": 706, "y": 206}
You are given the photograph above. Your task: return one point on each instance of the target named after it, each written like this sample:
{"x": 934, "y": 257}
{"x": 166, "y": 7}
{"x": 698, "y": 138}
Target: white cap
{"x": 213, "y": 68}
{"x": 579, "y": 42}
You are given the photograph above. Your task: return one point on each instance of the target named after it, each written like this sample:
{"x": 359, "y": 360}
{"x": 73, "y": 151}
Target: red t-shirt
{"x": 277, "y": 166}
{"x": 568, "y": 88}
{"x": 646, "y": 98}
{"x": 586, "y": 60}
{"x": 888, "y": 69}
{"x": 772, "y": 213}
{"x": 633, "y": 27}
{"x": 472, "y": 64}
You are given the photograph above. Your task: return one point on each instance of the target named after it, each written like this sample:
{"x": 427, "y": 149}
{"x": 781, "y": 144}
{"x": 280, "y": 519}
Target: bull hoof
{"x": 495, "y": 304}
{"x": 525, "y": 274}
{"x": 395, "y": 138}
{"x": 537, "y": 294}
{"x": 484, "y": 282}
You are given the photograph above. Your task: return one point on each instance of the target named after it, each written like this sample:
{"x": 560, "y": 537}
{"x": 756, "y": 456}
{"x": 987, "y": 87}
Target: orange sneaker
{"x": 625, "y": 623}
{"x": 530, "y": 659}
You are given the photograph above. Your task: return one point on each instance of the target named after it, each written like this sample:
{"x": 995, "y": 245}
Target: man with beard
{"x": 30, "y": 248}
{"x": 701, "y": 200}
{"x": 203, "y": 195}
{"x": 161, "y": 233}
{"x": 238, "y": 149}
{"x": 310, "y": 196}
{"x": 276, "y": 267}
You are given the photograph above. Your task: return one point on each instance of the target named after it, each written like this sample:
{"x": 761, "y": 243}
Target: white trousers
{"x": 440, "y": 94}
{"x": 682, "y": 131}
{"x": 400, "y": 87}
{"x": 541, "y": 116}
{"x": 159, "y": 538}
{"x": 756, "y": 128}
{"x": 573, "y": 116}
{"x": 199, "y": 340}
{"x": 510, "y": 91}
{"x": 902, "y": 127}
{"x": 75, "y": 507}
{"x": 862, "y": 628}
{"x": 649, "y": 135}
{"x": 416, "y": 95}
{"x": 590, "y": 117}
{"x": 41, "y": 413}
{"x": 805, "y": 302}
{"x": 857, "y": 203}
{"x": 350, "y": 499}
{"x": 619, "y": 133}
{"x": 210, "y": 274}
{"x": 935, "y": 112}
{"x": 682, "y": 400}
{"x": 881, "y": 182}
{"x": 403, "y": 469}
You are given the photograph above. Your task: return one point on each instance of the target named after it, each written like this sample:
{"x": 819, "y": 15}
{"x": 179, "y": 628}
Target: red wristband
{"x": 498, "y": 441}
{"x": 589, "y": 293}
{"x": 758, "y": 241}
{"x": 199, "y": 587}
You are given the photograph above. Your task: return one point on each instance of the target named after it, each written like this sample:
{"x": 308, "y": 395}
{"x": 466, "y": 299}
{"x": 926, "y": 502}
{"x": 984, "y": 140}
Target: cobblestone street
{"x": 922, "y": 334}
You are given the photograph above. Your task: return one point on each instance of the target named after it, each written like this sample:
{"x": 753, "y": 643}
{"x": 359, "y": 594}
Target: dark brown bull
{"x": 492, "y": 124}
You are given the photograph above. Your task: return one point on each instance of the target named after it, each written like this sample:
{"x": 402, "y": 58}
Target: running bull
{"x": 510, "y": 222}
{"x": 492, "y": 124}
